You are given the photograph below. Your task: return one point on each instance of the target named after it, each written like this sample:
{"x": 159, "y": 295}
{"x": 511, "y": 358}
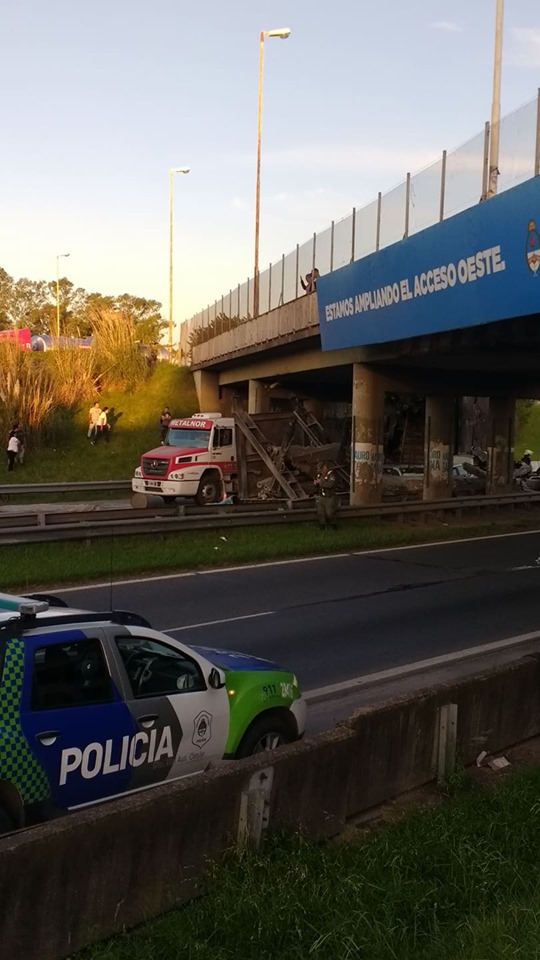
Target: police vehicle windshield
{"x": 180, "y": 437}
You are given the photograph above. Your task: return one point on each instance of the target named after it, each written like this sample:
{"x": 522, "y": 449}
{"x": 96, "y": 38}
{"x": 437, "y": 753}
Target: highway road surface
{"x": 336, "y": 620}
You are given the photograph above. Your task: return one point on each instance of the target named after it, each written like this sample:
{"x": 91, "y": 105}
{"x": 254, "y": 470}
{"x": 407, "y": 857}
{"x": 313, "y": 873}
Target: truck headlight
{"x": 138, "y": 472}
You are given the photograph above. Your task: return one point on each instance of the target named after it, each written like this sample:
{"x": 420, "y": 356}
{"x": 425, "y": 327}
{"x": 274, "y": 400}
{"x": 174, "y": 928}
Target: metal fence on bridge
{"x": 455, "y": 182}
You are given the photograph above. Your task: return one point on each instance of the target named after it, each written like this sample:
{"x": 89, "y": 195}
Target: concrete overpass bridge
{"x": 450, "y": 311}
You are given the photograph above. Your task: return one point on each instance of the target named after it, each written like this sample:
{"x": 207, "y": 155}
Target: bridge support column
{"x": 207, "y": 387}
{"x": 367, "y": 452}
{"x": 228, "y": 401}
{"x": 438, "y": 448}
{"x": 500, "y": 444}
{"x": 258, "y": 397}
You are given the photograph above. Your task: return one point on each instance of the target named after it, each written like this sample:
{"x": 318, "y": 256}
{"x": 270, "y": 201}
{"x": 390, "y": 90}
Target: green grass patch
{"x": 459, "y": 882}
{"x": 27, "y": 566}
{"x": 528, "y": 433}
{"x": 135, "y": 428}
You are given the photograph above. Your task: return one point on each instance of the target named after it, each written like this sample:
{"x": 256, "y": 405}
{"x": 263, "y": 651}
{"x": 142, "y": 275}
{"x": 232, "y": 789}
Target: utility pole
{"x": 496, "y": 103}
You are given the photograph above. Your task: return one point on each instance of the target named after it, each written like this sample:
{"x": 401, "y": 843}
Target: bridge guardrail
{"x": 447, "y": 186}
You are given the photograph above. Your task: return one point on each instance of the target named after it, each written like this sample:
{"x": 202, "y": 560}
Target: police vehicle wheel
{"x": 6, "y": 823}
{"x": 209, "y": 490}
{"x": 264, "y": 734}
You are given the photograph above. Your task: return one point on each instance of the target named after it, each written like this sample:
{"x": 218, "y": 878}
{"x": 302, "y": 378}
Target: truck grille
{"x": 155, "y": 467}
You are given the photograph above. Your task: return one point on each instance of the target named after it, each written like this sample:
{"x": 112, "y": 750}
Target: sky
{"x": 100, "y": 100}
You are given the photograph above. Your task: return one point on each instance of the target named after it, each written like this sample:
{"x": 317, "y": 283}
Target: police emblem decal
{"x": 532, "y": 252}
{"x": 202, "y": 729}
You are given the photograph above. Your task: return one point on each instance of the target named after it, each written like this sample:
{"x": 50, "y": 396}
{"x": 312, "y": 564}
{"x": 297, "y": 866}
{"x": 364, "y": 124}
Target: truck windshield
{"x": 188, "y": 438}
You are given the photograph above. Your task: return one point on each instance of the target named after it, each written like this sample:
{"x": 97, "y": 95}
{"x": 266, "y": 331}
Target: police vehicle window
{"x": 188, "y": 438}
{"x": 70, "y": 674}
{"x": 155, "y": 669}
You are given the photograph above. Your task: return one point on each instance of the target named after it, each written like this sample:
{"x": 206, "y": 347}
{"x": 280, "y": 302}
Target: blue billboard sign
{"x": 480, "y": 266}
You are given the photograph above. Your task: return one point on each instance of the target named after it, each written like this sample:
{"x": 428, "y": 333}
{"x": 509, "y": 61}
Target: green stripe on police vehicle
{"x": 254, "y": 695}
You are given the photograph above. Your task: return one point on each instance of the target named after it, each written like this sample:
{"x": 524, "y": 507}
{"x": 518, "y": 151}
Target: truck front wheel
{"x": 209, "y": 489}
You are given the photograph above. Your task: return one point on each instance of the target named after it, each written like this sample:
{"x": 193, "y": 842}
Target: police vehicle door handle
{"x": 148, "y": 720}
{"x": 48, "y": 737}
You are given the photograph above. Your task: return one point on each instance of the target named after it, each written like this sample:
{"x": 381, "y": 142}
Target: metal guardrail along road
{"x": 43, "y": 527}
{"x": 8, "y": 490}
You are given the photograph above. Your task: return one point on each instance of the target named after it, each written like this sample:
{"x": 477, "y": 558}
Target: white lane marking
{"x": 284, "y": 563}
{"x": 446, "y": 543}
{"x": 214, "y": 623}
{"x": 325, "y": 693}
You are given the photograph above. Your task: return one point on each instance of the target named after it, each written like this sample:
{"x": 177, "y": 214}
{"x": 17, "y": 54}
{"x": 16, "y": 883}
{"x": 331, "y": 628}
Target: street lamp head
{"x": 181, "y": 170}
{"x": 58, "y": 255}
{"x": 282, "y": 33}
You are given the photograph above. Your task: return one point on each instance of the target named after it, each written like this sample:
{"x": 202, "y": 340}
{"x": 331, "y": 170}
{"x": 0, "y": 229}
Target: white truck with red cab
{"x": 198, "y": 460}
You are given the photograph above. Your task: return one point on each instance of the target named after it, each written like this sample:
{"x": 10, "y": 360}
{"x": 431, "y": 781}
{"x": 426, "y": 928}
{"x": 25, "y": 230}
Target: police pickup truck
{"x": 94, "y": 705}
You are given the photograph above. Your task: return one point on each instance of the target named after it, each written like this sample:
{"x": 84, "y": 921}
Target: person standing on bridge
{"x": 325, "y": 485}
{"x": 310, "y": 284}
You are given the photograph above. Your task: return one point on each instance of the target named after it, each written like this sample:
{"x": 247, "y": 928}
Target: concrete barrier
{"x": 71, "y": 882}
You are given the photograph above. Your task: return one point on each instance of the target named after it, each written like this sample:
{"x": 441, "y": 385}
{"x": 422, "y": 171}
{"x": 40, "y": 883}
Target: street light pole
{"x": 58, "y": 255}
{"x": 496, "y": 103}
{"x": 172, "y": 172}
{"x": 282, "y": 33}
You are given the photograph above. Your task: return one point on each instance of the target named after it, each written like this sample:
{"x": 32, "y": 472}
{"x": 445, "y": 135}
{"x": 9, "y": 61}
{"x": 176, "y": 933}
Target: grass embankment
{"x": 459, "y": 882}
{"x": 135, "y": 428}
{"x": 528, "y": 434}
{"x": 27, "y": 566}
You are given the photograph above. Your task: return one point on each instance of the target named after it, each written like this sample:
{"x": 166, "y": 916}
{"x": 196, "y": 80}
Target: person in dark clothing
{"x": 19, "y": 433}
{"x": 164, "y": 422}
{"x": 325, "y": 485}
{"x": 310, "y": 284}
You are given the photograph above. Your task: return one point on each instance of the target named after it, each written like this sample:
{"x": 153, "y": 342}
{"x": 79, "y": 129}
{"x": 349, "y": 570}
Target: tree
{"x": 73, "y": 300}
{"x": 32, "y": 303}
{"x": 6, "y": 297}
{"x": 145, "y": 314}
{"x": 524, "y": 409}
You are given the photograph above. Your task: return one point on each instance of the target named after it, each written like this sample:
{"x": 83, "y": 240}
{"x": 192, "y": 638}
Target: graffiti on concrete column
{"x": 368, "y": 462}
{"x": 439, "y": 461}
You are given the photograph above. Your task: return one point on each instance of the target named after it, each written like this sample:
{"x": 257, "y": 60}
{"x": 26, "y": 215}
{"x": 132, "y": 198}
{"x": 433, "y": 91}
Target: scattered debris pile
{"x": 278, "y": 455}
